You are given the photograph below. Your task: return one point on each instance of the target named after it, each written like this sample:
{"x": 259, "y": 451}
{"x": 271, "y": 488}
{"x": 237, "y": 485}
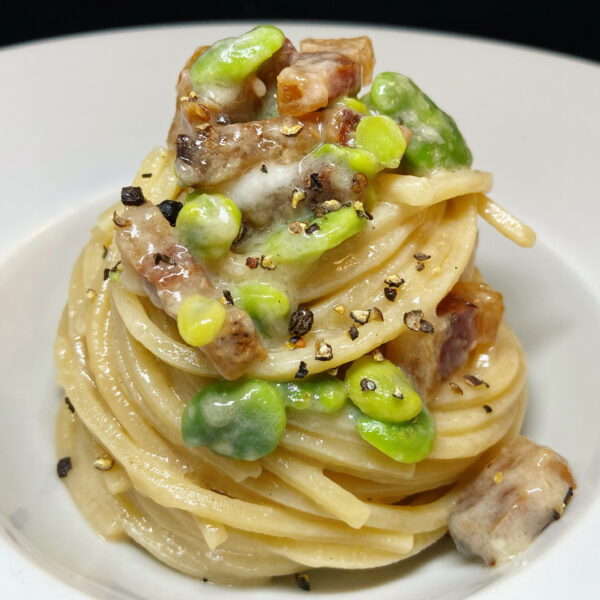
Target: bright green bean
{"x": 407, "y": 442}
{"x": 358, "y": 160}
{"x": 321, "y": 393}
{"x": 208, "y": 224}
{"x": 267, "y": 306}
{"x": 200, "y": 319}
{"x": 381, "y": 390}
{"x": 437, "y": 141}
{"x": 231, "y": 60}
{"x": 382, "y": 136}
{"x": 239, "y": 419}
{"x": 302, "y": 248}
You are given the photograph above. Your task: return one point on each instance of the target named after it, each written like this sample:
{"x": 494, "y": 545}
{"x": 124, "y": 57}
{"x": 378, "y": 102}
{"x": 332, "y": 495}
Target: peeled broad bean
{"x": 333, "y": 228}
{"x": 382, "y": 136}
{"x": 407, "y": 442}
{"x": 321, "y": 393}
{"x": 437, "y": 141}
{"x": 200, "y": 319}
{"x": 239, "y": 419}
{"x": 381, "y": 390}
{"x": 266, "y": 305}
{"x": 231, "y": 60}
{"x": 208, "y": 224}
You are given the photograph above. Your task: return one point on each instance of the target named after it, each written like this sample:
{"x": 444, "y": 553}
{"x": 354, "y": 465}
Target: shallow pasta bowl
{"x": 79, "y": 114}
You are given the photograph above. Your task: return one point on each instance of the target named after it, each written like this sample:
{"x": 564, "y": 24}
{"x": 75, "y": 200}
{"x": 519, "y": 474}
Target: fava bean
{"x": 320, "y": 393}
{"x": 231, "y": 60}
{"x": 208, "y": 224}
{"x": 358, "y": 160}
{"x": 240, "y": 419}
{"x": 381, "y": 390}
{"x": 267, "y": 306}
{"x": 382, "y": 136}
{"x": 333, "y": 228}
{"x": 437, "y": 141}
{"x": 200, "y": 319}
{"x": 407, "y": 442}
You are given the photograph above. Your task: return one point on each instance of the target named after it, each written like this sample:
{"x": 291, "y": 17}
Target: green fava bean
{"x": 239, "y": 419}
{"x": 321, "y": 393}
{"x": 208, "y": 224}
{"x": 408, "y": 442}
{"x": 359, "y": 160}
{"x": 437, "y": 141}
{"x": 286, "y": 247}
{"x": 381, "y": 390}
{"x": 231, "y": 60}
{"x": 382, "y": 136}
{"x": 266, "y": 305}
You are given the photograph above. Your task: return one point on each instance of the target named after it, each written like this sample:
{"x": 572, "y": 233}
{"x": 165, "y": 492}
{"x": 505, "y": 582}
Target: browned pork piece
{"x": 315, "y": 77}
{"x": 219, "y": 153}
{"x": 524, "y": 489}
{"x": 169, "y": 273}
{"x": 469, "y": 315}
{"x": 358, "y": 49}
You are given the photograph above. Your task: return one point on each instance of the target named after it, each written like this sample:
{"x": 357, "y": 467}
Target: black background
{"x": 571, "y": 27}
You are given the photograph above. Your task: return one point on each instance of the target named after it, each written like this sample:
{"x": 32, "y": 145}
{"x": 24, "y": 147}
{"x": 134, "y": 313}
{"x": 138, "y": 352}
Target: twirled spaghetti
{"x": 325, "y": 497}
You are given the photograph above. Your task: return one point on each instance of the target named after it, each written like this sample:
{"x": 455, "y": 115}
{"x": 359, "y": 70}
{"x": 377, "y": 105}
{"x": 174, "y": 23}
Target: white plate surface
{"x": 77, "y": 116}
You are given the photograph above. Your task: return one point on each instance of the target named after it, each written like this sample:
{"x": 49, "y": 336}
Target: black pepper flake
{"x": 353, "y": 332}
{"x": 376, "y": 314}
{"x": 302, "y": 371}
{"x": 104, "y": 251}
{"x": 158, "y": 257}
{"x": 241, "y": 233}
{"x": 69, "y": 404}
{"x": 302, "y": 581}
{"x": 63, "y": 466}
{"x": 487, "y": 408}
{"x": 359, "y": 183}
{"x": 132, "y": 196}
{"x": 205, "y": 580}
{"x": 228, "y": 297}
{"x": 568, "y": 496}
{"x": 397, "y": 393}
{"x": 414, "y": 321}
{"x": 311, "y": 229}
{"x": 263, "y": 168}
{"x": 360, "y": 316}
{"x": 146, "y": 175}
{"x": 120, "y": 221}
{"x": 252, "y": 262}
{"x": 170, "y": 209}
{"x": 425, "y": 326}
{"x": 323, "y": 350}
{"x": 555, "y": 514}
{"x": 393, "y": 281}
{"x": 421, "y": 256}
{"x": 367, "y": 385}
{"x": 314, "y": 183}
{"x": 301, "y": 321}
{"x": 455, "y": 388}
{"x": 106, "y": 274}
{"x": 420, "y": 266}
{"x": 364, "y": 214}
{"x": 390, "y": 293}
{"x": 475, "y": 381}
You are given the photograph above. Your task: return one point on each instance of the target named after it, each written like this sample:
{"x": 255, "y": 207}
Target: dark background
{"x": 571, "y": 27}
